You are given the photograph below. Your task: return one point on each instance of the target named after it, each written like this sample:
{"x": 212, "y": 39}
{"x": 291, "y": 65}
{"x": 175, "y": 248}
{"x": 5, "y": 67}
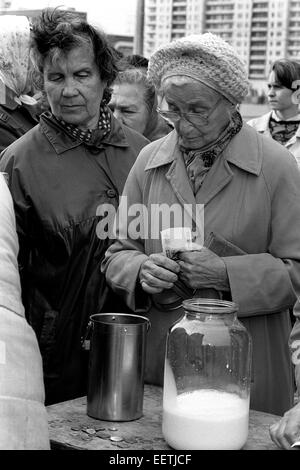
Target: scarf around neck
{"x": 87, "y": 135}
{"x": 199, "y": 162}
{"x": 283, "y": 130}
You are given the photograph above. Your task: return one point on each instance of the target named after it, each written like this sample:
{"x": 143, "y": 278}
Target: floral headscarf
{"x": 14, "y": 57}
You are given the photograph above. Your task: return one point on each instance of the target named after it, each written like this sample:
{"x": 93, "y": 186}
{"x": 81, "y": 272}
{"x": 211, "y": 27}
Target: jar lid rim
{"x": 199, "y": 305}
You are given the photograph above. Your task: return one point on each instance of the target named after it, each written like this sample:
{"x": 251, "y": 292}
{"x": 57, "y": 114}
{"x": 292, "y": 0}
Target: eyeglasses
{"x": 193, "y": 118}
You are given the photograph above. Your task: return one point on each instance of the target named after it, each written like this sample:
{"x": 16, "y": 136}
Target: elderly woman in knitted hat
{"x": 249, "y": 188}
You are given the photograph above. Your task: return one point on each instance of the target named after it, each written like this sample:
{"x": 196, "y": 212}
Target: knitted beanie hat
{"x": 204, "y": 57}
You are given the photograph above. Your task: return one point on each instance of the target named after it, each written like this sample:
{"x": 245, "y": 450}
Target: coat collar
{"x": 262, "y": 126}
{"x": 250, "y": 160}
{"x": 262, "y": 123}
{"x": 62, "y": 142}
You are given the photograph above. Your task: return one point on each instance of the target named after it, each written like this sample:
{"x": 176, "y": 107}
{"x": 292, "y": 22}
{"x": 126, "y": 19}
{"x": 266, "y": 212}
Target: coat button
{"x": 111, "y": 193}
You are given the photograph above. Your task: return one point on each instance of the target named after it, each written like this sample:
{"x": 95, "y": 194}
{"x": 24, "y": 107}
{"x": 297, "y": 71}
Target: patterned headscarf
{"x": 14, "y": 57}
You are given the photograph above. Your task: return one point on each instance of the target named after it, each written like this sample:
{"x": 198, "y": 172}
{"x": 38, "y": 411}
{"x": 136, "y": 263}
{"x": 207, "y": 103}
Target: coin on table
{"x": 116, "y": 438}
{"x": 122, "y": 445}
{"x": 103, "y": 435}
{"x": 130, "y": 440}
{"x": 90, "y": 431}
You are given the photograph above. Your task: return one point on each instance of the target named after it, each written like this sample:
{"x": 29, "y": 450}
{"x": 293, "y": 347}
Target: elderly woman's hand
{"x": 287, "y": 430}
{"x": 158, "y": 273}
{"x": 203, "y": 269}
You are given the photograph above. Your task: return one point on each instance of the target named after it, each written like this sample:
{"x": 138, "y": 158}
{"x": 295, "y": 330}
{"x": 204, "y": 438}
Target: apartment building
{"x": 166, "y": 20}
{"x": 261, "y": 31}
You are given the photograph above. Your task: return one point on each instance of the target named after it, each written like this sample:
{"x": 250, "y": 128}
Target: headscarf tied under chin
{"x": 14, "y": 58}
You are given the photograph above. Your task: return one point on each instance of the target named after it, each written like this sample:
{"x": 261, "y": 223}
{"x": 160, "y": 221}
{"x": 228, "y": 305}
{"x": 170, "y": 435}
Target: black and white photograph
{"x": 150, "y": 228}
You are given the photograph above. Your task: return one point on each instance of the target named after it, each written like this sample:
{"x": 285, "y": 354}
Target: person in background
{"x": 61, "y": 174}
{"x": 18, "y": 111}
{"x": 249, "y": 187}
{"x": 286, "y": 431}
{"x": 23, "y": 416}
{"x": 134, "y": 102}
{"x": 136, "y": 61}
{"x": 282, "y": 123}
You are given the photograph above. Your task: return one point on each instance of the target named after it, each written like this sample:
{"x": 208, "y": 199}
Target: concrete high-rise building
{"x": 170, "y": 19}
{"x": 261, "y": 31}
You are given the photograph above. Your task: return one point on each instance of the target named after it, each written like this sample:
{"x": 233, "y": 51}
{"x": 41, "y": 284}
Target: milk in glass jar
{"x": 207, "y": 378}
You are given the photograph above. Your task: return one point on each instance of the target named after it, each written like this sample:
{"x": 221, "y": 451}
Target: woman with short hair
{"x": 60, "y": 175}
{"x": 282, "y": 123}
{"x": 134, "y": 103}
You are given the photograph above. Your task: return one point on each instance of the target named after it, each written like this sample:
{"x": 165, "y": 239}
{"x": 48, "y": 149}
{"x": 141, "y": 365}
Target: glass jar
{"x": 207, "y": 378}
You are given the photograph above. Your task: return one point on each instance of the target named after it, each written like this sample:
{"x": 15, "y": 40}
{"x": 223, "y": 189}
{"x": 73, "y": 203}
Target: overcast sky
{"x": 114, "y": 16}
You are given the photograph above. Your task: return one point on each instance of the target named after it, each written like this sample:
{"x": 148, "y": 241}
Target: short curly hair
{"x": 58, "y": 30}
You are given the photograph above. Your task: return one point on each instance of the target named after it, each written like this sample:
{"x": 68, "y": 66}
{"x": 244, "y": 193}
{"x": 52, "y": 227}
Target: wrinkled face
{"x": 74, "y": 88}
{"x": 184, "y": 95}
{"x": 128, "y": 105}
{"x": 279, "y": 97}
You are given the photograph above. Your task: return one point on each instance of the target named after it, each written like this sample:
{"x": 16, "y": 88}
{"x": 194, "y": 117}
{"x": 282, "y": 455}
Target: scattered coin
{"x": 130, "y": 440}
{"x": 90, "y": 431}
{"x": 100, "y": 428}
{"x": 116, "y": 438}
{"x": 103, "y": 435}
{"x": 122, "y": 445}
{"x": 112, "y": 429}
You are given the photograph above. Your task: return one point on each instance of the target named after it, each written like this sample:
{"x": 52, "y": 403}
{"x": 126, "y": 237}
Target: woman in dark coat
{"x": 61, "y": 173}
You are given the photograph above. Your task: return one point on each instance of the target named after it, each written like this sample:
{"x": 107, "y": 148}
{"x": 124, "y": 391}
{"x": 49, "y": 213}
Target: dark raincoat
{"x": 58, "y": 185}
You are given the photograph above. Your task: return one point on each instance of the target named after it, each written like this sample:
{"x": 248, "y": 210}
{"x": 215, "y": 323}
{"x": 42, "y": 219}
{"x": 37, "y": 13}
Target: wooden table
{"x": 71, "y": 428}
